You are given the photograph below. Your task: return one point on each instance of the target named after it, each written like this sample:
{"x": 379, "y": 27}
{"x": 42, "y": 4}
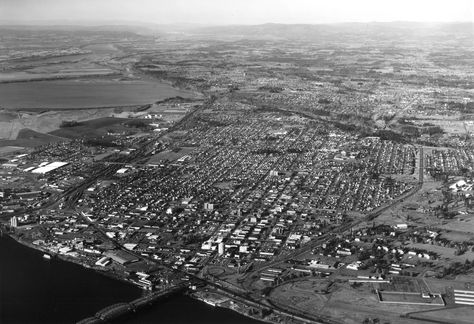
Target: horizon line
{"x": 131, "y": 23}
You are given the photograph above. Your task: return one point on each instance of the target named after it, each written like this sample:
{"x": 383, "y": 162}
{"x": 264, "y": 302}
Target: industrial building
{"x": 121, "y": 257}
{"x": 43, "y": 169}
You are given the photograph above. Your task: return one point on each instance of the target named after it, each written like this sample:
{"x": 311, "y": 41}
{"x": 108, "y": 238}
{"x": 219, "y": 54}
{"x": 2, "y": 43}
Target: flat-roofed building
{"x": 121, "y": 257}
{"x": 49, "y": 167}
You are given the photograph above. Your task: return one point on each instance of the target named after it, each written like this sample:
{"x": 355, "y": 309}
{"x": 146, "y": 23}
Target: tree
{"x": 69, "y": 123}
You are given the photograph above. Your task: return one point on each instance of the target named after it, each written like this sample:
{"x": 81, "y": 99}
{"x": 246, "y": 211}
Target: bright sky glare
{"x": 234, "y": 11}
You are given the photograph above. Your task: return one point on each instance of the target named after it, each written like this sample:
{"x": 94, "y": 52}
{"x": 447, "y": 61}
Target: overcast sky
{"x": 234, "y": 11}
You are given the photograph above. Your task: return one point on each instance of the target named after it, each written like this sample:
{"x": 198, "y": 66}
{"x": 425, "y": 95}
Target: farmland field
{"x": 30, "y": 138}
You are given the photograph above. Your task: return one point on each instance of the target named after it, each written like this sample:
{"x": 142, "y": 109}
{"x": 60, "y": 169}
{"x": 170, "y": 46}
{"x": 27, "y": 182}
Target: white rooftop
{"x": 49, "y": 167}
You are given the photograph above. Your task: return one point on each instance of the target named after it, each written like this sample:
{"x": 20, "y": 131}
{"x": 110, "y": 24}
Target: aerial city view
{"x": 220, "y": 161}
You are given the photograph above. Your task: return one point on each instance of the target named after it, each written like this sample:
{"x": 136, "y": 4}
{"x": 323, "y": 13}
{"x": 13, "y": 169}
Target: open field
{"x": 8, "y": 116}
{"x": 457, "y": 315}
{"x": 444, "y": 252}
{"x": 30, "y": 138}
{"x": 49, "y": 121}
{"x": 460, "y": 228}
{"x": 5, "y": 150}
{"x": 401, "y": 285}
{"x": 344, "y": 303}
{"x": 408, "y": 211}
{"x": 92, "y": 128}
{"x": 445, "y": 285}
{"x": 301, "y": 295}
{"x": 170, "y": 155}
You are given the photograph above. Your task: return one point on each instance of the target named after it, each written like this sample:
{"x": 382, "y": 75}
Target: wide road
{"x": 399, "y": 113}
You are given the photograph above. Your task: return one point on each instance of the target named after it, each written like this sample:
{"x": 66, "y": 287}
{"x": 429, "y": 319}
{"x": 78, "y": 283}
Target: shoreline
{"x": 41, "y": 110}
{"x": 111, "y": 275}
{"x": 220, "y": 305}
{"x": 67, "y": 259}
{"x": 59, "y": 78}
{"x": 138, "y": 107}
{"x": 158, "y": 97}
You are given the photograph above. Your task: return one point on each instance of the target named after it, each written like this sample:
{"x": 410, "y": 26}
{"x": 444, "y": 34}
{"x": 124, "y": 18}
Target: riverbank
{"x": 185, "y": 309}
{"x": 226, "y": 303}
{"x": 66, "y": 258}
{"x": 36, "y": 290}
{"x": 29, "y": 245}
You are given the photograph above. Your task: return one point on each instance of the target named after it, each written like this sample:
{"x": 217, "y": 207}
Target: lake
{"x": 84, "y": 93}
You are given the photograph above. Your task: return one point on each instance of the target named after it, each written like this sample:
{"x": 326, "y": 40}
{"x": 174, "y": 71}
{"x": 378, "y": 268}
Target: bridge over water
{"x": 119, "y": 309}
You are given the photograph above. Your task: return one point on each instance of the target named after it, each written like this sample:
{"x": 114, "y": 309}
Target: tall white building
{"x": 208, "y": 206}
{"x": 14, "y": 221}
{"x": 221, "y": 248}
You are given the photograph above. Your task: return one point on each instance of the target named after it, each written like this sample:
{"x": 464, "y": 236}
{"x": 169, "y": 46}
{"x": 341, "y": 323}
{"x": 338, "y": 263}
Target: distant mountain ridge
{"x": 268, "y": 30}
{"x": 310, "y": 31}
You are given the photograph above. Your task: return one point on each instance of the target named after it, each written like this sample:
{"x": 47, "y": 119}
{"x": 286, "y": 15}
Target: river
{"x": 35, "y": 290}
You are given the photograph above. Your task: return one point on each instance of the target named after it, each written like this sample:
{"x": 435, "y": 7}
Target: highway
{"x": 399, "y": 112}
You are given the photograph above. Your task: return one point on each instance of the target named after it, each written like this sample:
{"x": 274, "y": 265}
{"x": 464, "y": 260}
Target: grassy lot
{"x": 464, "y": 223}
{"x": 400, "y": 284}
{"x": 170, "y": 155}
{"x": 428, "y": 197}
{"x": 30, "y": 138}
{"x": 444, "y": 252}
{"x": 343, "y": 302}
{"x": 6, "y": 150}
{"x": 300, "y": 294}
{"x": 458, "y": 315}
{"x": 92, "y": 128}
{"x": 360, "y": 303}
{"x": 7, "y": 116}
